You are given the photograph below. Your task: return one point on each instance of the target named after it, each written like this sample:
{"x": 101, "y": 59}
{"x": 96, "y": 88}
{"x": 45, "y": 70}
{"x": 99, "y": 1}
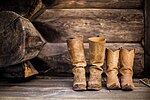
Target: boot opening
{"x": 76, "y": 38}
{"x": 97, "y": 39}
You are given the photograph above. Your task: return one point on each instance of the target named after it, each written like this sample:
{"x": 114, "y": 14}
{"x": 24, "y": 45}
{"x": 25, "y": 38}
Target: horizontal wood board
{"x": 109, "y": 4}
{"x": 56, "y": 88}
{"x": 116, "y": 25}
{"x": 147, "y": 40}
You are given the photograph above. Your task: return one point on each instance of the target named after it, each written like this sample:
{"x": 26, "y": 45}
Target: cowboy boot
{"x": 112, "y": 69}
{"x": 77, "y": 57}
{"x": 126, "y": 70}
{"x": 97, "y": 55}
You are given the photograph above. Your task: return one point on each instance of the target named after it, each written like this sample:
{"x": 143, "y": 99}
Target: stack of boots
{"x": 97, "y": 55}
{"x": 126, "y": 70}
{"x": 112, "y": 69}
{"x": 77, "y": 57}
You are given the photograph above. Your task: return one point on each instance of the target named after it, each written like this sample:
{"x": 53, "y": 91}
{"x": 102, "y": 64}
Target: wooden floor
{"x": 54, "y": 88}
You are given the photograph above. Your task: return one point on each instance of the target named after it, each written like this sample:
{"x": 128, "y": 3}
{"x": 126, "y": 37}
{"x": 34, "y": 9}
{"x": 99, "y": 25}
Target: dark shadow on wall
{"x": 29, "y": 9}
{"x": 39, "y": 65}
{"x": 48, "y": 33}
{"x": 18, "y": 6}
{"x": 50, "y": 3}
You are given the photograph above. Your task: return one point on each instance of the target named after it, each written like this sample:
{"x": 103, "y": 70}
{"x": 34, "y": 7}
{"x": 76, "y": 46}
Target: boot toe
{"x": 94, "y": 87}
{"x": 114, "y": 86}
{"x": 127, "y": 87}
{"x": 79, "y": 87}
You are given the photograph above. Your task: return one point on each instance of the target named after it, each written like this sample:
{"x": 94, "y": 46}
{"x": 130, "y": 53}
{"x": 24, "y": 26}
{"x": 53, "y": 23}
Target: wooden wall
{"x": 147, "y": 39}
{"x": 121, "y": 22}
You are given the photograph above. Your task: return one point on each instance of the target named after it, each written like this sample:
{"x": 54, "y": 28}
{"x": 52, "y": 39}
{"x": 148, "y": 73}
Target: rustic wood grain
{"x": 59, "y": 4}
{"x": 19, "y": 40}
{"x": 116, "y": 25}
{"x": 55, "y": 58}
{"x": 56, "y": 88}
{"x": 147, "y": 39}
{"x": 51, "y": 84}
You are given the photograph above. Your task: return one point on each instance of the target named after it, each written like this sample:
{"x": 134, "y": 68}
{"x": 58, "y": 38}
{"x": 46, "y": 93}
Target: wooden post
{"x": 147, "y": 39}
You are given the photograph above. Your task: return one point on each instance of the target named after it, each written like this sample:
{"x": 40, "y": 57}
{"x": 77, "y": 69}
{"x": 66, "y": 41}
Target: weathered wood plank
{"x": 80, "y": 95}
{"x": 147, "y": 39}
{"x": 93, "y": 3}
{"x": 65, "y": 94}
{"x": 48, "y": 82}
{"x": 56, "y": 85}
{"x": 51, "y": 87}
{"x": 116, "y": 25}
{"x": 29, "y": 89}
{"x": 50, "y": 98}
{"x": 54, "y": 56}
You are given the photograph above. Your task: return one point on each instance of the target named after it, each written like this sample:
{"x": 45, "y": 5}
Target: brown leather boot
{"x": 112, "y": 69}
{"x": 97, "y": 55}
{"x": 126, "y": 70}
{"x": 77, "y": 57}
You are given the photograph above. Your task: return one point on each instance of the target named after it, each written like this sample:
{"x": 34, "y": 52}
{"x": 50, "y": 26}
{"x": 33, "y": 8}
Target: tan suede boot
{"x": 112, "y": 69}
{"x": 76, "y": 52}
{"x": 126, "y": 70}
{"x": 97, "y": 55}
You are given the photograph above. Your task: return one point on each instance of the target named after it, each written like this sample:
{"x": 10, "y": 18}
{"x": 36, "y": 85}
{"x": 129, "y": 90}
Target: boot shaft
{"x": 97, "y": 55}
{"x": 77, "y": 58}
{"x": 126, "y": 61}
{"x": 112, "y": 58}
{"x": 126, "y": 70}
{"x": 97, "y": 50}
{"x": 76, "y": 52}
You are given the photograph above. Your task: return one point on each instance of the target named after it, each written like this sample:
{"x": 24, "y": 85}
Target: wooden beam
{"x": 116, "y": 25}
{"x": 147, "y": 39}
{"x": 106, "y": 4}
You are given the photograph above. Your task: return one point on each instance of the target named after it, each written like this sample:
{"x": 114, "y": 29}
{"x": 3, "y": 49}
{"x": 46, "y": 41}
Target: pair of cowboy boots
{"x": 77, "y": 56}
{"x": 126, "y": 69}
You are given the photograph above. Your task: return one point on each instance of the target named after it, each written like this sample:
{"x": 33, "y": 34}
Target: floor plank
{"x": 61, "y": 88}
